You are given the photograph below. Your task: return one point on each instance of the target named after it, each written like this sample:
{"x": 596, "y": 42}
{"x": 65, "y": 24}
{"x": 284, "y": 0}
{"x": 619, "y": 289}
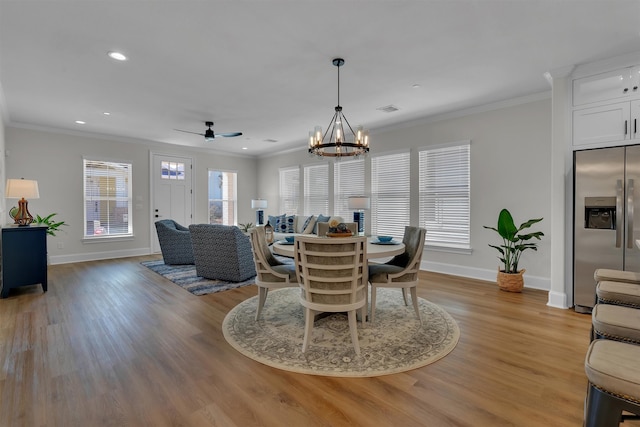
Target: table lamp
{"x": 359, "y": 203}
{"x": 259, "y": 204}
{"x": 20, "y": 189}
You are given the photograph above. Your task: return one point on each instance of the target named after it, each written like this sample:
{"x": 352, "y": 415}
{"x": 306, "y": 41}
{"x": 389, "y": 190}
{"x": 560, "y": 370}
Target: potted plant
{"x": 52, "y": 226}
{"x": 513, "y": 244}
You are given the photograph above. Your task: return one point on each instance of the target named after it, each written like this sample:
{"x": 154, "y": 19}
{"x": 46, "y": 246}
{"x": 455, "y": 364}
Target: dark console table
{"x": 24, "y": 257}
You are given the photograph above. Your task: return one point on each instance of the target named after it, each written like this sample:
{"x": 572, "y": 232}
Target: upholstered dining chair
{"x": 333, "y": 276}
{"x": 401, "y": 271}
{"x": 175, "y": 242}
{"x": 270, "y": 273}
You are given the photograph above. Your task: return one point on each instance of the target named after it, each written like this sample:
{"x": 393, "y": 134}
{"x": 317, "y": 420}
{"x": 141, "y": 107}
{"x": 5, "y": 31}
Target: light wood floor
{"x": 114, "y": 344}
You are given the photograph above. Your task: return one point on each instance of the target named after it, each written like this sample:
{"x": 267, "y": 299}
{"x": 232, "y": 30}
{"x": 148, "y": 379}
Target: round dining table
{"x": 374, "y": 248}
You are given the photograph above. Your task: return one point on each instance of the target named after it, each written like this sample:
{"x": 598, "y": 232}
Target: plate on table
{"x": 284, "y": 242}
{"x": 388, "y": 242}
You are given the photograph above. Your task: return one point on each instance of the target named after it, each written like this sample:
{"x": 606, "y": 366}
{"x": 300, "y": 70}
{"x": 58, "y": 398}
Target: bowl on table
{"x": 385, "y": 238}
{"x": 289, "y": 239}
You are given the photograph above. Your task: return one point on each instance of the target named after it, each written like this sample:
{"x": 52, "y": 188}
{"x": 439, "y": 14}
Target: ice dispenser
{"x": 600, "y": 212}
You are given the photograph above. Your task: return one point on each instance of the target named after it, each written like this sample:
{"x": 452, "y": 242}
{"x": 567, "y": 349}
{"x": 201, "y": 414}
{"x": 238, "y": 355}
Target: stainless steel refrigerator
{"x": 606, "y": 209}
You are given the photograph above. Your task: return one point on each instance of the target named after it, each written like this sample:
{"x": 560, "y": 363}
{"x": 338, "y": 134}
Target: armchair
{"x": 175, "y": 242}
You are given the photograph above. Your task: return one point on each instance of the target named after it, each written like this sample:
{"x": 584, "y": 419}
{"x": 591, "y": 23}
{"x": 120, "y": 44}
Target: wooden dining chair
{"x": 401, "y": 271}
{"x": 270, "y": 273}
{"x": 332, "y": 273}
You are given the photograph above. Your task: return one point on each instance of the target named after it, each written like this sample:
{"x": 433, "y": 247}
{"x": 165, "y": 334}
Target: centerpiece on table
{"x": 338, "y": 229}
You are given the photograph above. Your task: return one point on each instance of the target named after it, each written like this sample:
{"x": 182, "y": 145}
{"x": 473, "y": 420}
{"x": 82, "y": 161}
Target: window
{"x": 444, "y": 195}
{"x": 390, "y": 195}
{"x": 316, "y": 189}
{"x": 223, "y": 197}
{"x": 348, "y": 180}
{"x": 107, "y": 199}
{"x": 172, "y": 170}
{"x": 289, "y": 189}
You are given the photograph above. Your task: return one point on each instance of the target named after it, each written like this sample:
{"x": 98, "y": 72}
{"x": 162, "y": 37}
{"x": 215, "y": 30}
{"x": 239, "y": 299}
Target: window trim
{"x": 235, "y": 189}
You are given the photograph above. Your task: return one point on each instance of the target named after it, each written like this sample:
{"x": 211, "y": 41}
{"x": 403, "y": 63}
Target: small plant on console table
{"x": 52, "y": 226}
{"x": 513, "y": 244}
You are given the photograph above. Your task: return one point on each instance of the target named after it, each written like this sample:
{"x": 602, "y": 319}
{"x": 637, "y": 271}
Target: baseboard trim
{"x": 97, "y": 256}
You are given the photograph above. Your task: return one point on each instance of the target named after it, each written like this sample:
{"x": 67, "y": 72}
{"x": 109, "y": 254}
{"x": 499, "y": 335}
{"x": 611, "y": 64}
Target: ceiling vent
{"x": 388, "y": 108}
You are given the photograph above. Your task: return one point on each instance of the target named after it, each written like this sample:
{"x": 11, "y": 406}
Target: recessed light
{"x": 244, "y": 148}
{"x": 416, "y": 86}
{"x": 80, "y": 122}
{"x": 106, "y": 113}
{"x": 117, "y": 56}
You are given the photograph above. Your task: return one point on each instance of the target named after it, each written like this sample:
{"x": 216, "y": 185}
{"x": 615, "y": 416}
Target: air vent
{"x": 270, "y": 140}
{"x": 388, "y": 108}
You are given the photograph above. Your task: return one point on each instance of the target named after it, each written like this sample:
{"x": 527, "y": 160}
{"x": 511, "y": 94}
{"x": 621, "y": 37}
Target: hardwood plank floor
{"x": 114, "y": 344}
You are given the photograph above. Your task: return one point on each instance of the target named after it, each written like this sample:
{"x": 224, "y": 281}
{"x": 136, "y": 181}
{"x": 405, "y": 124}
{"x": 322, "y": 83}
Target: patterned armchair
{"x": 175, "y": 242}
{"x": 221, "y": 252}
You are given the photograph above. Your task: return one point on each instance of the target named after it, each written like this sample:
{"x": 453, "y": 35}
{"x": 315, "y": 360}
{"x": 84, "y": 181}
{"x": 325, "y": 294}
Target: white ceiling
{"x": 263, "y": 67}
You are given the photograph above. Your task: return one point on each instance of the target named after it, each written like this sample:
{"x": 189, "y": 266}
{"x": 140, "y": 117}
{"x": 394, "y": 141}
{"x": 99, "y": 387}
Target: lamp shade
{"x": 258, "y": 204}
{"x": 359, "y": 202}
{"x": 22, "y": 188}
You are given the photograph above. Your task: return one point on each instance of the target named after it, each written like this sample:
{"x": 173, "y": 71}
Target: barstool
{"x": 615, "y": 322}
{"x": 614, "y": 382}
{"x": 607, "y": 274}
{"x": 618, "y": 293}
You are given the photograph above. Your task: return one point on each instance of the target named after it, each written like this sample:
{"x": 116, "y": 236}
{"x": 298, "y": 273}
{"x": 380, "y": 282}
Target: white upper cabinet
{"x": 602, "y": 124}
{"x": 613, "y": 85}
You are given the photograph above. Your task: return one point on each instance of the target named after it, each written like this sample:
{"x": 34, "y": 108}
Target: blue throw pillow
{"x": 273, "y": 220}
{"x": 321, "y": 218}
{"x": 285, "y": 224}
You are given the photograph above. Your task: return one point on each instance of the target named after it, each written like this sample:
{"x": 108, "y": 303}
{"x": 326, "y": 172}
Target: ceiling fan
{"x": 209, "y": 135}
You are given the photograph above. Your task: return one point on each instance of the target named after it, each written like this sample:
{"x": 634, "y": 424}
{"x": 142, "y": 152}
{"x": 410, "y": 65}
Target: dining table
{"x": 375, "y": 248}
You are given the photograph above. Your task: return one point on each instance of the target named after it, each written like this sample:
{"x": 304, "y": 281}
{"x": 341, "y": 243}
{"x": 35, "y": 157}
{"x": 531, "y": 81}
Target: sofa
{"x": 287, "y": 225}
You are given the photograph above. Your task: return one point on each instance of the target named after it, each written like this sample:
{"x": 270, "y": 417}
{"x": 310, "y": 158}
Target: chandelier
{"x": 335, "y": 142}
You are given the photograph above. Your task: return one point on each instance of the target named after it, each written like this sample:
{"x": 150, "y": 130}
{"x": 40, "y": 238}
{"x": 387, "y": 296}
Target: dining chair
{"x": 401, "y": 271}
{"x": 333, "y": 276}
{"x": 270, "y": 273}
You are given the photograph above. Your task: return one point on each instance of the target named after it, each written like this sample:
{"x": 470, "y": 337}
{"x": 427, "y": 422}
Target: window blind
{"x": 444, "y": 204}
{"x": 348, "y": 180}
{"x": 316, "y": 189}
{"x": 107, "y": 199}
{"x": 390, "y": 204}
{"x": 289, "y": 189}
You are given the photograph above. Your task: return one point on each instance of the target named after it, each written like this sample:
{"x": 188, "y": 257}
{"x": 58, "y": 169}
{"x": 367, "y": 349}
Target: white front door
{"x": 172, "y": 192}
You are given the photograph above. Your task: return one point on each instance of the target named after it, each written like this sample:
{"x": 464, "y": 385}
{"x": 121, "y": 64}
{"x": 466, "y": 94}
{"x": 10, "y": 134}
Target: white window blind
{"x": 348, "y": 180}
{"x": 316, "y": 189}
{"x": 107, "y": 199}
{"x": 223, "y": 197}
{"x": 289, "y": 189}
{"x": 390, "y": 204}
{"x": 445, "y": 195}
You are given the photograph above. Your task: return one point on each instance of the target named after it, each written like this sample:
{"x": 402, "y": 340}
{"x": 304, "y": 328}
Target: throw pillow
{"x": 309, "y": 223}
{"x": 273, "y": 220}
{"x": 285, "y": 224}
{"x": 321, "y": 218}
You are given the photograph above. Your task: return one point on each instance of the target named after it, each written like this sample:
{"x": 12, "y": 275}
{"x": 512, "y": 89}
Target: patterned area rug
{"x": 395, "y": 343}
{"x": 185, "y": 276}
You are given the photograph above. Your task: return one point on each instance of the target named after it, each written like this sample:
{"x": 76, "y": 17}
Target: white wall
{"x": 510, "y": 168}
{"x": 55, "y": 161}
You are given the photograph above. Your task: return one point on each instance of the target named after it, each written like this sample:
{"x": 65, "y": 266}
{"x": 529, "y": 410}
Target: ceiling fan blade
{"x": 230, "y": 134}
{"x": 188, "y": 131}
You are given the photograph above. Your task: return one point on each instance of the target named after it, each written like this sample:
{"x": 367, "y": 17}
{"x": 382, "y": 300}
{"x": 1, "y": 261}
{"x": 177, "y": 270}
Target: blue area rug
{"x": 185, "y": 276}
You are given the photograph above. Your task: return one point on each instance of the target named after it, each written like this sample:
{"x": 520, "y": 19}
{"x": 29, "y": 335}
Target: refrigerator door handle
{"x": 630, "y": 214}
{"x": 619, "y": 215}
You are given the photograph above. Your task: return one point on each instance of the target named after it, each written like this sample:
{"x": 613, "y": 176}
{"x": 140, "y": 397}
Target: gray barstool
{"x": 614, "y": 382}
{"x": 607, "y": 274}
{"x": 618, "y": 293}
{"x": 616, "y": 322}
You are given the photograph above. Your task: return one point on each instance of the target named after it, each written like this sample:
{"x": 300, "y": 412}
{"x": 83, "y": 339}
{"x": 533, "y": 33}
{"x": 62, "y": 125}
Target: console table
{"x": 23, "y": 257}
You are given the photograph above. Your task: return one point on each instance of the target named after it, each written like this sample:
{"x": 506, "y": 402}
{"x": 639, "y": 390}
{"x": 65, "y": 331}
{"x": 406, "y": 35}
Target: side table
{"x": 24, "y": 257}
